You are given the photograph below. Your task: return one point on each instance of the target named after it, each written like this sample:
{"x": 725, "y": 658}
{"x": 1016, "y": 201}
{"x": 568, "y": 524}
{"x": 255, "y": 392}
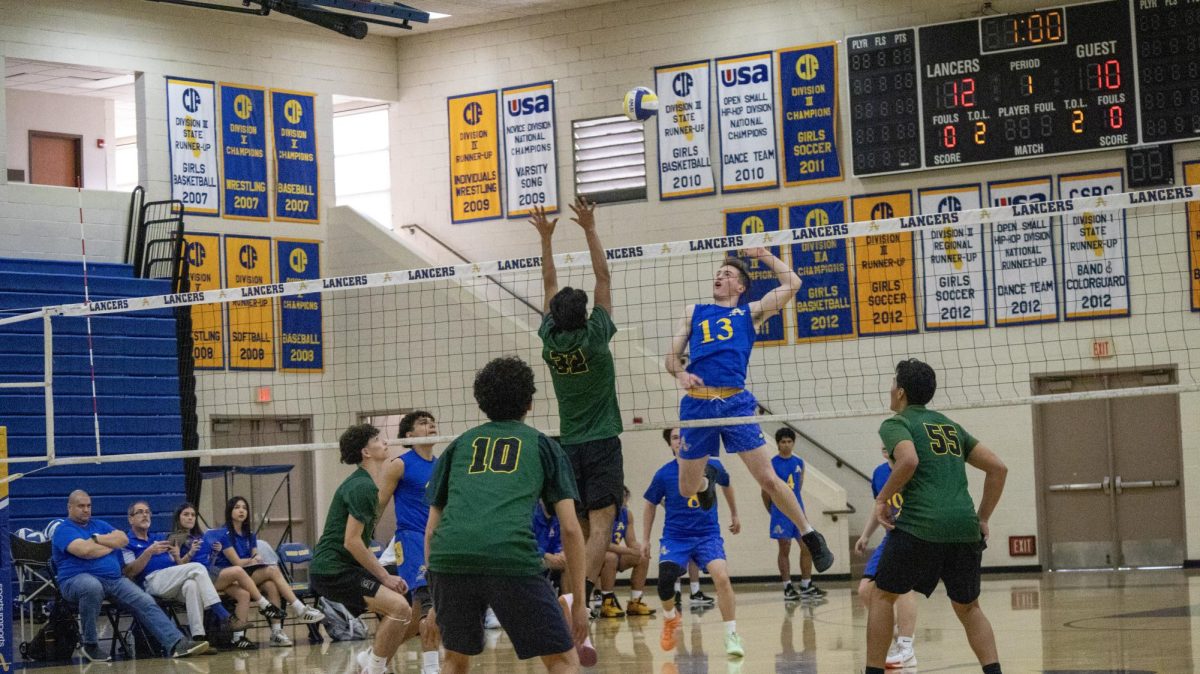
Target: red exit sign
{"x": 1022, "y": 546}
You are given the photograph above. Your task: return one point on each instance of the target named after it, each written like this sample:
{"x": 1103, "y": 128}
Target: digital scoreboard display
{"x": 1035, "y": 84}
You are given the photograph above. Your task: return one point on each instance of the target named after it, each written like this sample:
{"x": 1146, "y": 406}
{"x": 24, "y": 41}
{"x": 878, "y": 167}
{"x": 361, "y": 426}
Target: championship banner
{"x": 251, "y": 321}
{"x": 530, "y": 160}
{"x": 6, "y": 605}
{"x": 1191, "y": 176}
{"x": 244, "y": 152}
{"x": 884, "y": 284}
{"x": 474, "y": 158}
{"x": 746, "y": 122}
{"x": 301, "y": 340}
{"x": 203, "y": 252}
{"x": 762, "y": 279}
{"x": 1023, "y": 257}
{"x": 953, "y": 270}
{"x": 684, "y": 156}
{"x": 824, "y": 309}
{"x": 295, "y": 140}
{"x": 1095, "y": 274}
{"x": 808, "y": 97}
{"x": 192, "y": 145}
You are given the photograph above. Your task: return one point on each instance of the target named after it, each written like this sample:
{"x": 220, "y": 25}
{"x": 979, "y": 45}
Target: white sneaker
{"x": 490, "y": 621}
{"x": 893, "y": 649}
{"x": 308, "y": 615}
{"x": 903, "y": 656}
{"x": 364, "y": 663}
{"x": 280, "y": 639}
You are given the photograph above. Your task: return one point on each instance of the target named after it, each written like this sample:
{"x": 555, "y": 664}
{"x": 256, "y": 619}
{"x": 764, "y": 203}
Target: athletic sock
{"x": 904, "y": 641}
{"x": 993, "y": 668}
{"x": 730, "y": 627}
{"x": 806, "y": 530}
{"x": 219, "y": 611}
{"x": 695, "y": 587}
{"x": 635, "y": 595}
{"x": 787, "y": 583}
{"x": 237, "y": 636}
{"x": 263, "y": 602}
{"x": 376, "y": 663}
{"x": 874, "y": 670}
{"x": 298, "y": 606}
{"x": 677, "y": 582}
{"x": 668, "y": 614}
{"x": 805, "y": 582}
{"x": 429, "y": 662}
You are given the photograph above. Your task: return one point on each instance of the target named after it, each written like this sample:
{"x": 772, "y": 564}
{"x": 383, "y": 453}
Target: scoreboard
{"x": 1049, "y": 82}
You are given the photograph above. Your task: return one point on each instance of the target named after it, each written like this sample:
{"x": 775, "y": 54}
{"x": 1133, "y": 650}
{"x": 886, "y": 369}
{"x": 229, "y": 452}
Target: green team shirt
{"x": 585, "y": 380}
{"x": 486, "y": 483}
{"x": 936, "y": 504}
{"x": 356, "y": 497}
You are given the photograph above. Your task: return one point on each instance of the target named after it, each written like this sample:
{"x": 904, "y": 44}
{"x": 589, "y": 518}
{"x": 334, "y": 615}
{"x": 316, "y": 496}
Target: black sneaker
{"x": 821, "y": 555}
{"x": 272, "y": 612}
{"x": 243, "y": 644}
{"x": 92, "y": 653}
{"x": 678, "y": 599}
{"x": 708, "y": 497}
{"x": 790, "y": 593}
{"x": 812, "y": 592}
{"x": 701, "y": 599}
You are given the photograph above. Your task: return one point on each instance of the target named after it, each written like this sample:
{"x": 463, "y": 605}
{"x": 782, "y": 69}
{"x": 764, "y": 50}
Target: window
{"x": 362, "y": 162}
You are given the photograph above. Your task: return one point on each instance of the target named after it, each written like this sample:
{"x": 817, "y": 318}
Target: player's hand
{"x": 544, "y": 226}
{"x": 757, "y": 253}
{"x": 687, "y": 380}
{"x": 983, "y": 529}
{"x": 645, "y": 550}
{"x": 584, "y": 213}
{"x": 395, "y": 584}
{"x": 735, "y": 525}
{"x": 860, "y": 546}
{"x": 579, "y": 621}
{"x": 884, "y": 515}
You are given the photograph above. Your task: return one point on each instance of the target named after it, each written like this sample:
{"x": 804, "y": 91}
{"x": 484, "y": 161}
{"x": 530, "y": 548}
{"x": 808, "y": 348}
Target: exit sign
{"x": 1022, "y": 546}
{"x": 1103, "y": 348}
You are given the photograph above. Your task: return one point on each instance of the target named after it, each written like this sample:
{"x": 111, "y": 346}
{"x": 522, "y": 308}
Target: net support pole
{"x": 48, "y": 384}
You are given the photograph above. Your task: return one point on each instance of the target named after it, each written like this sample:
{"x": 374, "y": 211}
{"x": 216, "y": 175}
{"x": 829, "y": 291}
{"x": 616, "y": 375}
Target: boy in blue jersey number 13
{"x": 718, "y": 338}
{"x": 790, "y": 468}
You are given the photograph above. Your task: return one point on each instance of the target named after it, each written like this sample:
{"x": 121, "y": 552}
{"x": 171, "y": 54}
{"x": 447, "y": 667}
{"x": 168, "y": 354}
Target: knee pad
{"x": 668, "y": 573}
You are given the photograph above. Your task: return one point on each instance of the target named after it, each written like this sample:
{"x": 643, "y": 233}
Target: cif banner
{"x": 530, "y": 161}
{"x": 762, "y": 279}
{"x": 883, "y": 274}
{"x": 474, "y": 157}
{"x": 1023, "y": 257}
{"x": 746, "y": 122}
{"x": 1095, "y": 279}
{"x": 252, "y": 320}
{"x": 244, "y": 152}
{"x": 203, "y": 252}
{"x": 684, "y": 157}
{"x": 192, "y": 145}
{"x": 808, "y": 98}
{"x": 824, "y": 309}
{"x": 952, "y": 261}
{"x": 6, "y": 607}
{"x": 1191, "y": 176}
{"x": 294, "y": 121}
{"x": 300, "y": 337}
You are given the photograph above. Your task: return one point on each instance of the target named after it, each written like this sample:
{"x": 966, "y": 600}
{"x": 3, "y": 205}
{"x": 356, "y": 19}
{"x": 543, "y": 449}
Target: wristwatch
{"x": 95, "y": 538}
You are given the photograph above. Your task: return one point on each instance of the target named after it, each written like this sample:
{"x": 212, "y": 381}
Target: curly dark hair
{"x": 568, "y": 307}
{"x": 667, "y": 435}
{"x": 918, "y": 380}
{"x": 408, "y": 421}
{"x": 353, "y": 440}
{"x": 504, "y": 389}
{"x": 785, "y": 432}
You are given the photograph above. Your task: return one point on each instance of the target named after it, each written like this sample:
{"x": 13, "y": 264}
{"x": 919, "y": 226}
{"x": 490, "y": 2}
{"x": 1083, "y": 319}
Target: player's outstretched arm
{"x": 993, "y": 484}
{"x": 545, "y": 228}
{"x": 674, "y": 357}
{"x": 585, "y": 217}
{"x": 573, "y": 549}
{"x": 774, "y": 301}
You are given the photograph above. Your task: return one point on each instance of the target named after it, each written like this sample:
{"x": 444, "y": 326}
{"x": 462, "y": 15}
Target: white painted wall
{"x": 85, "y": 116}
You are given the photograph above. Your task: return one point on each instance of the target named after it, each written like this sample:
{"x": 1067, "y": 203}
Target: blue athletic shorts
{"x": 781, "y": 527}
{"x": 701, "y": 442}
{"x": 873, "y": 563}
{"x": 410, "y": 557}
{"x": 699, "y": 550}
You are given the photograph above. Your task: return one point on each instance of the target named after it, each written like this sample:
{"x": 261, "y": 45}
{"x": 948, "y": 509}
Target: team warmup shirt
{"x": 791, "y": 471}
{"x": 243, "y": 544}
{"x": 720, "y": 343}
{"x": 880, "y": 477}
{"x": 137, "y": 546}
{"x": 486, "y": 484}
{"x": 409, "y": 498}
{"x": 684, "y": 517}
{"x": 936, "y": 504}
{"x": 68, "y": 565}
{"x": 620, "y": 526}
{"x": 356, "y": 497}
{"x": 581, "y": 368}
{"x": 545, "y": 530}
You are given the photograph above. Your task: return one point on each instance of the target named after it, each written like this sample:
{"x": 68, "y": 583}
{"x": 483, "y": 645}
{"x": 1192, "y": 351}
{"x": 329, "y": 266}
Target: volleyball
{"x": 640, "y": 104}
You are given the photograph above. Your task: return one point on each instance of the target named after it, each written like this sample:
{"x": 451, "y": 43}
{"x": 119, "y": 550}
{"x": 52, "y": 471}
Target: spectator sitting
{"x": 89, "y": 571}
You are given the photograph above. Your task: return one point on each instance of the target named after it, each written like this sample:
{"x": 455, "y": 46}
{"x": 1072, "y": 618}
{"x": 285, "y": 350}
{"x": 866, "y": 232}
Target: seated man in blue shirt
{"x": 88, "y": 562}
{"x": 149, "y": 562}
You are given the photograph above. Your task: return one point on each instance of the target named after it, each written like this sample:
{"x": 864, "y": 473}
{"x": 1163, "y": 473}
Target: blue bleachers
{"x": 137, "y": 391}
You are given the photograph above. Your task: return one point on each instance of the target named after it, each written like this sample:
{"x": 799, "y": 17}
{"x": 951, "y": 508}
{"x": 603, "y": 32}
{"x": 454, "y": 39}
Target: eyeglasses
{"x": 141, "y": 511}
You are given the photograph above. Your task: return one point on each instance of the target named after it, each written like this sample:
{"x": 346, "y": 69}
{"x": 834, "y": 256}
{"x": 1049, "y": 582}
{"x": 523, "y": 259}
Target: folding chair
{"x": 35, "y": 580}
{"x": 109, "y": 610}
{"x": 292, "y": 555}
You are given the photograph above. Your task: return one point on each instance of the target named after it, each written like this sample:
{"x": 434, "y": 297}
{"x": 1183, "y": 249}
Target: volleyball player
{"x": 697, "y": 600}
{"x": 718, "y": 338}
{"x": 575, "y": 348}
{"x": 790, "y": 468}
{"x": 938, "y": 534}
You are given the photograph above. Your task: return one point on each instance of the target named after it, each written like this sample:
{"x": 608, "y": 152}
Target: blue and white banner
{"x": 192, "y": 145}
{"x": 746, "y": 122}
{"x": 808, "y": 97}
{"x": 684, "y": 153}
{"x": 300, "y": 336}
{"x": 762, "y": 279}
{"x": 825, "y": 304}
{"x": 295, "y": 139}
{"x": 244, "y": 152}
{"x": 1095, "y": 277}
{"x": 531, "y": 163}
{"x": 952, "y": 259}
{"x": 1023, "y": 256}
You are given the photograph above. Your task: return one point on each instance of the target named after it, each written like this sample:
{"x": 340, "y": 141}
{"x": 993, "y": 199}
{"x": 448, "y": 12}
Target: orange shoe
{"x": 670, "y": 625}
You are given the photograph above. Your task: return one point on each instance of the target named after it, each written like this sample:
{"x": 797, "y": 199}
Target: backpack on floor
{"x": 57, "y": 639}
{"x": 340, "y": 623}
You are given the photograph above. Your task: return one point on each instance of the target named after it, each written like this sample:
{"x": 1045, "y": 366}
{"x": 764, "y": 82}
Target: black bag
{"x": 57, "y": 639}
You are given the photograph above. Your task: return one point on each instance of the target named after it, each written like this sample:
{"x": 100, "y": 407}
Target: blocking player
{"x": 719, "y": 338}
{"x": 938, "y": 534}
{"x": 624, "y": 553}
{"x": 403, "y": 482}
{"x": 691, "y": 533}
{"x": 575, "y": 348}
{"x": 790, "y": 468}
{"x": 343, "y": 567}
{"x": 479, "y": 541}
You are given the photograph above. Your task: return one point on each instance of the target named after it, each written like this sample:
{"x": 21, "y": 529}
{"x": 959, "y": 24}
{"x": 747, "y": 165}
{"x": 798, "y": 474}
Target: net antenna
{"x": 347, "y": 17}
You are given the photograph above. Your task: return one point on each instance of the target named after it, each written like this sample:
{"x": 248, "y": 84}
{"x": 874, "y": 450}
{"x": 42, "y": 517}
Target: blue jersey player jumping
{"x": 403, "y": 482}
{"x": 718, "y": 338}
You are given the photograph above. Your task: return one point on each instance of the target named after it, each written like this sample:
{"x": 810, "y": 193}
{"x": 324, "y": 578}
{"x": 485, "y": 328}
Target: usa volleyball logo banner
{"x": 296, "y": 186}
{"x": 884, "y": 282}
{"x": 301, "y": 339}
{"x": 1095, "y": 278}
{"x": 760, "y": 220}
{"x": 808, "y": 97}
{"x": 824, "y": 305}
{"x": 244, "y": 152}
{"x": 953, "y": 269}
{"x": 474, "y": 157}
{"x": 192, "y": 145}
{"x": 203, "y": 253}
{"x": 1191, "y": 176}
{"x": 1023, "y": 255}
{"x": 684, "y": 153}
{"x": 746, "y": 122}
{"x": 531, "y": 165}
